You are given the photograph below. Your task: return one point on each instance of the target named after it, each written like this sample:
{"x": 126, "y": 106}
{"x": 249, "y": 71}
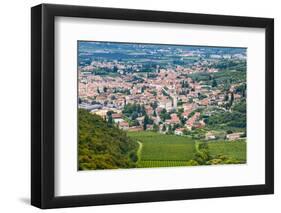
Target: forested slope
{"x": 102, "y": 145}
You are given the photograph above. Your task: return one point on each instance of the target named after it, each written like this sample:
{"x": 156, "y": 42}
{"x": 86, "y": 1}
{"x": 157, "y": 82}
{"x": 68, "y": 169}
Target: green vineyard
{"x": 167, "y": 163}
{"x": 160, "y": 150}
{"x": 235, "y": 149}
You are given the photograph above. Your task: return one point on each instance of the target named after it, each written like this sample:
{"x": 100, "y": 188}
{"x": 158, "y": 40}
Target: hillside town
{"x": 172, "y": 98}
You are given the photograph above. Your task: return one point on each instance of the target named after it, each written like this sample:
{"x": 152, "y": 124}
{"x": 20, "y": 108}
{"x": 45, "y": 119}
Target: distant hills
{"x": 166, "y": 53}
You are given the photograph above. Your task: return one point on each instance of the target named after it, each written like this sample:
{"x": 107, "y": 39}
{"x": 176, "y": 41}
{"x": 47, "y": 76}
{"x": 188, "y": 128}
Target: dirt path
{"x": 139, "y": 151}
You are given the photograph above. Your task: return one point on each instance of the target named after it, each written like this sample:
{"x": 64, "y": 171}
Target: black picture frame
{"x": 43, "y": 105}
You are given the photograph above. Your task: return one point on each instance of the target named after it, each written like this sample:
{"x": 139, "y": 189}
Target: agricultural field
{"x": 160, "y": 150}
{"x": 163, "y": 163}
{"x": 235, "y": 149}
{"x": 164, "y": 147}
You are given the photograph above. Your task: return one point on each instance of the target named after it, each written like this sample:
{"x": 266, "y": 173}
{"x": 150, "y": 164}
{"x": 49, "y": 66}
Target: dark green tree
{"x": 155, "y": 128}
{"x": 214, "y": 83}
{"x": 145, "y": 122}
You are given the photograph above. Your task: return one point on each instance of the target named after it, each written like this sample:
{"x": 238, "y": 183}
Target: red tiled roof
{"x": 116, "y": 115}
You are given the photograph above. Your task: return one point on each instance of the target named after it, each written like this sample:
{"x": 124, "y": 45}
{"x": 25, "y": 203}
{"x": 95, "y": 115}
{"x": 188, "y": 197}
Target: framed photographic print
{"x": 138, "y": 106}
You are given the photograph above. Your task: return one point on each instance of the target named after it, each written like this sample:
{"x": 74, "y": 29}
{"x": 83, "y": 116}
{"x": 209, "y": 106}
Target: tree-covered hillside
{"x": 103, "y": 146}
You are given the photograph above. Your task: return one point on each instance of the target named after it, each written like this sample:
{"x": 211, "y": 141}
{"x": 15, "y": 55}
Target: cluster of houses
{"x": 169, "y": 90}
{"x": 231, "y": 136}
